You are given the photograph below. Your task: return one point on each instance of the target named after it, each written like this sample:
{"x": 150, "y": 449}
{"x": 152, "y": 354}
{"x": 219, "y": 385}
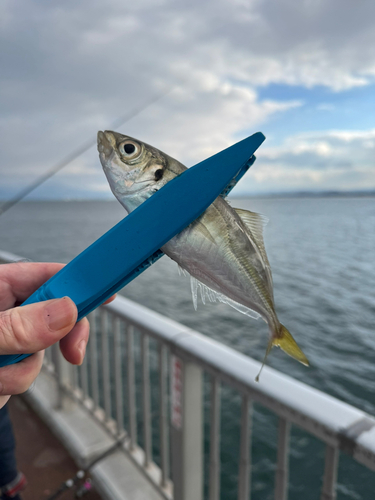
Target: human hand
{"x": 32, "y": 328}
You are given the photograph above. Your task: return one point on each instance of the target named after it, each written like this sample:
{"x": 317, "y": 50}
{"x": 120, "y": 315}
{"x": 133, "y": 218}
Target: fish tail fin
{"x": 286, "y": 342}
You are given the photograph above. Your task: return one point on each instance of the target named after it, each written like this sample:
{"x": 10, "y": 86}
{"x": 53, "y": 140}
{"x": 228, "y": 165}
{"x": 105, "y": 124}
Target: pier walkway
{"x": 40, "y": 455}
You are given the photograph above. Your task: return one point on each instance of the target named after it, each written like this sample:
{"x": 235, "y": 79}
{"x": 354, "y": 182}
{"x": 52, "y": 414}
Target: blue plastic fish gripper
{"x": 131, "y": 246}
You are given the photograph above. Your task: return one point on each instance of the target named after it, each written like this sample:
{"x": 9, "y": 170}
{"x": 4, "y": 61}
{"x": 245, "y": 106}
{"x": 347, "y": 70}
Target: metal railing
{"x": 142, "y": 378}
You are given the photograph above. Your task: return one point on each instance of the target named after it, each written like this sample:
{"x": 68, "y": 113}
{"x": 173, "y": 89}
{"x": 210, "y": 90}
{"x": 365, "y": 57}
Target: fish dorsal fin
{"x": 212, "y": 296}
{"x": 256, "y": 223}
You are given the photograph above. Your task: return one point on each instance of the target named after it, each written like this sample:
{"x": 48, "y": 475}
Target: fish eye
{"x": 129, "y": 149}
{"x": 158, "y": 174}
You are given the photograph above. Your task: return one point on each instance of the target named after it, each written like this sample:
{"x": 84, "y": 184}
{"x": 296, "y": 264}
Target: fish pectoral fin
{"x": 207, "y": 293}
{"x": 182, "y": 271}
{"x": 194, "y": 291}
{"x": 287, "y": 343}
{"x": 239, "y": 307}
{"x": 203, "y": 229}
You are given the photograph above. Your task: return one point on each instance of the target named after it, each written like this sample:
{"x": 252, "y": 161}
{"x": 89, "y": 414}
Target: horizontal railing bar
{"x": 8, "y": 257}
{"x": 320, "y": 414}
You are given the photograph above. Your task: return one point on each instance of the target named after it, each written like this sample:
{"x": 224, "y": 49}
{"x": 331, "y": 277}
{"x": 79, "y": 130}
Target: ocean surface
{"x": 322, "y": 254}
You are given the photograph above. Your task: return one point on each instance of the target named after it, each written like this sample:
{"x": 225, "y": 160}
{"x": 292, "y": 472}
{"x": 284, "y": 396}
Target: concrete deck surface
{"x": 40, "y": 456}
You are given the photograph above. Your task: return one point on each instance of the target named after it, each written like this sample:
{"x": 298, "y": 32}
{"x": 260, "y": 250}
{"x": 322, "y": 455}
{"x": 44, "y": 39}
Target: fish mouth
{"x": 105, "y": 145}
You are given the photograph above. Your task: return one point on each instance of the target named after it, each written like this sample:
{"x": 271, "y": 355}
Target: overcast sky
{"x": 301, "y": 72}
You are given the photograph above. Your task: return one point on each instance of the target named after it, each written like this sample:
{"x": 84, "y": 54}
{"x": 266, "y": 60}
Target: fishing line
{"x": 76, "y": 153}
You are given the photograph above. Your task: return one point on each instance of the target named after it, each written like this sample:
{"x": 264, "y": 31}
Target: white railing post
{"x": 93, "y": 354}
{"x": 282, "y": 470}
{"x": 119, "y": 390}
{"x": 245, "y": 449}
{"x": 214, "y": 479}
{"x": 131, "y": 387}
{"x": 147, "y": 430}
{"x": 330, "y": 473}
{"x": 105, "y": 363}
{"x": 187, "y": 430}
{"x": 65, "y": 377}
{"x": 164, "y": 421}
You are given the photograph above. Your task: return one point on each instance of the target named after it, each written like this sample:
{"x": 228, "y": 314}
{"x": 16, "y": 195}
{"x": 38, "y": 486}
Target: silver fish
{"x": 223, "y": 250}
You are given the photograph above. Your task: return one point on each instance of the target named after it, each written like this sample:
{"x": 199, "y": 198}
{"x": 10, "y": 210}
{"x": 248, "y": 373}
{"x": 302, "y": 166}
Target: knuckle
{"x": 13, "y": 329}
{"x": 6, "y": 323}
{"x": 6, "y": 329}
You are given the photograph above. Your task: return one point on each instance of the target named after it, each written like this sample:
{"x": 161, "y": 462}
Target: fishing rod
{"x": 77, "y": 152}
{"x": 80, "y": 476}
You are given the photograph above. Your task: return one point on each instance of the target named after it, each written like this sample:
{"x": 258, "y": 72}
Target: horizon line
{"x": 278, "y": 194}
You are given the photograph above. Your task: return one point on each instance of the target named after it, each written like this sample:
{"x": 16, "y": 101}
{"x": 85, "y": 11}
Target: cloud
{"x": 325, "y": 150}
{"x": 331, "y": 160}
{"x": 200, "y": 123}
{"x": 71, "y": 68}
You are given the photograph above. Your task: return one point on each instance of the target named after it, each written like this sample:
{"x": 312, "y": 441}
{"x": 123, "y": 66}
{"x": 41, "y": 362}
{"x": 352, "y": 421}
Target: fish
{"x": 223, "y": 250}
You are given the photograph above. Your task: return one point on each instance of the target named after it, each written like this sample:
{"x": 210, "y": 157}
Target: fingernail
{"x": 59, "y": 314}
{"x": 82, "y": 349}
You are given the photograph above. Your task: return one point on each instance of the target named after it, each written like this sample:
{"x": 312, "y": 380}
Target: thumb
{"x": 34, "y": 327}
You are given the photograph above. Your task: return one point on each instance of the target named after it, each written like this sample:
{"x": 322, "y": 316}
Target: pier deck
{"x": 40, "y": 455}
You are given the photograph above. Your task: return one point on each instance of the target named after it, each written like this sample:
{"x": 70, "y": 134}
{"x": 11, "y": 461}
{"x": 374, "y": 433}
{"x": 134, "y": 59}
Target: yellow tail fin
{"x": 286, "y": 342}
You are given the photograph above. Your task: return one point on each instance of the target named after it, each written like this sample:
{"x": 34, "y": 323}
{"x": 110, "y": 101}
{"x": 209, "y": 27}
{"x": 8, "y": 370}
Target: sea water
{"x": 322, "y": 252}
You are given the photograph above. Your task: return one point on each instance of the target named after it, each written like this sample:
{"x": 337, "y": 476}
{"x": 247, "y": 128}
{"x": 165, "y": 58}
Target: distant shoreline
{"x": 312, "y": 194}
{"x": 296, "y": 194}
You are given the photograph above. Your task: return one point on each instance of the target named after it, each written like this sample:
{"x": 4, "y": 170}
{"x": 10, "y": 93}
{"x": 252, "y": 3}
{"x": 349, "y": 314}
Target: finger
{"x": 73, "y": 345}
{"x": 110, "y": 299}
{"x": 17, "y": 378}
{"x": 34, "y": 327}
{"x": 20, "y": 279}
